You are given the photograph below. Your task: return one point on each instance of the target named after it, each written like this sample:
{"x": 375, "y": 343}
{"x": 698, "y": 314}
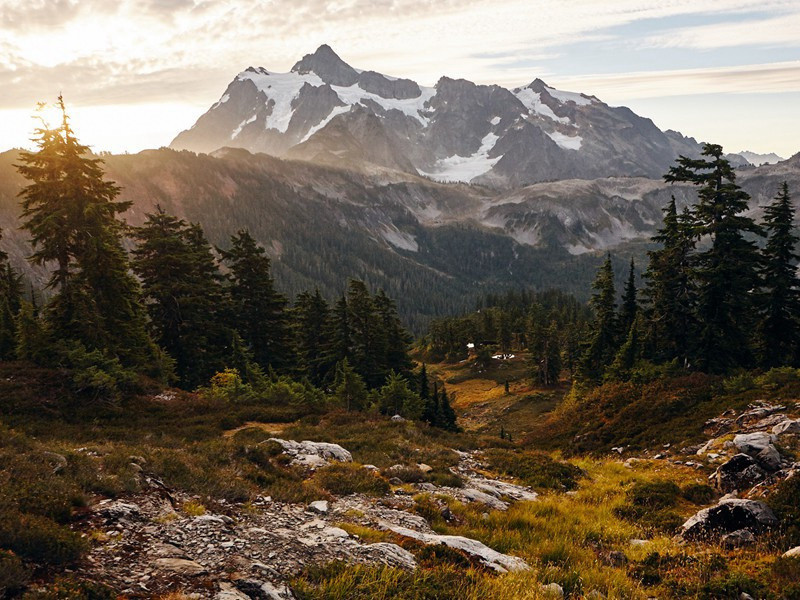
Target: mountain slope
{"x": 435, "y": 247}
{"x": 454, "y": 131}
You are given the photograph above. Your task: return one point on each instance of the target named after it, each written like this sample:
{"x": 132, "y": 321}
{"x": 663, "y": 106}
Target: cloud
{"x": 769, "y": 78}
{"x": 783, "y": 30}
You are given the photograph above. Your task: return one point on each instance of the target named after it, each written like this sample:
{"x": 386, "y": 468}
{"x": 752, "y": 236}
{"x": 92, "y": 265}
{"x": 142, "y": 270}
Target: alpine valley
{"x": 434, "y": 194}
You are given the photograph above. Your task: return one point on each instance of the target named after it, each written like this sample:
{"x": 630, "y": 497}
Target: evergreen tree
{"x": 396, "y": 339}
{"x": 603, "y": 342}
{"x": 185, "y": 297}
{"x": 257, "y": 310}
{"x": 779, "y": 328}
{"x": 628, "y": 355}
{"x": 396, "y": 398}
{"x": 349, "y": 388}
{"x": 71, "y": 214}
{"x": 669, "y": 290}
{"x": 313, "y": 336}
{"x": 629, "y": 308}
{"x": 726, "y": 273}
{"x": 366, "y": 333}
{"x": 10, "y": 301}
{"x": 446, "y": 416}
{"x": 341, "y": 338}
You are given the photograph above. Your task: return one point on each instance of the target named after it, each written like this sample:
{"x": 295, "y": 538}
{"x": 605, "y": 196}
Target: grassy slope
{"x": 201, "y": 446}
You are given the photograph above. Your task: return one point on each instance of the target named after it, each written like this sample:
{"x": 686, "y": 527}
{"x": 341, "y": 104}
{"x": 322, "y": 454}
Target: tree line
{"x": 714, "y": 300}
{"x": 179, "y": 310}
{"x": 721, "y": 292}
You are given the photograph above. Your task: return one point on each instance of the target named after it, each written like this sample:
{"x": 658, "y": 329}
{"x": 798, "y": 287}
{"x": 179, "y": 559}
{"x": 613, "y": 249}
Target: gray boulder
{"x": 759, "y": 445}
{"x": 728, "y": 516}
{"x": 786, "y": 426}
{"x": 739, "y": 473}
{"x": 737, "y": 539}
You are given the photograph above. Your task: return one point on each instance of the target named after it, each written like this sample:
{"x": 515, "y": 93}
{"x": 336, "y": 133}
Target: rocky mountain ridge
{"x": 324, "y": 110}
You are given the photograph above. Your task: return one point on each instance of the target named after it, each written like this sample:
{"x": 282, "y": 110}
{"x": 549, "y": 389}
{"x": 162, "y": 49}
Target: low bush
{"x": 40, "y": 539}
{"x": 68, "y": 588}
{"x": 787, "y": 507}
{"x": 698, "y": 493}
{"x": 13, "y": 574}
{"x": 731, "y": 586}
{"x": 349, "y": 478}
{"x": 535, "y": 469}
{"x": 648, "y": 505}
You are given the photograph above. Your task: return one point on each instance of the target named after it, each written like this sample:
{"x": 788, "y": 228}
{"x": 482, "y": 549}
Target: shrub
{"x": 39, "y": 539}
{"x": 741, "y": 382}
{"x": 13, "y": 574}
{"x": 785, "y": 576}
{"x": 654, "y": 495}
{"x": 348, "y": 478}
{"x": 73, "y": 589}
{"x": 698, "y": 493}
{"x": 647, "y": 506}
{"x": 731, "y": 586}
{"x": 778, "y": 377}
{"x": 535, "y": 469}
{"x": 786, "y": 506}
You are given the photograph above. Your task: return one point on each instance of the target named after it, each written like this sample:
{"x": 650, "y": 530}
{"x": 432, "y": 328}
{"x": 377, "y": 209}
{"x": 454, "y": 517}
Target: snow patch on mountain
{"x": 238, "y": 130}
{"x": 533, "y": 102}
{"x": 412, "y": 107}
{"x": 338, "y": 110}
{"x": 563, "y": 97}
{"x": 565, "y": 141}
{"x": 466, "y": 168}
{"x": 282, "y": 89}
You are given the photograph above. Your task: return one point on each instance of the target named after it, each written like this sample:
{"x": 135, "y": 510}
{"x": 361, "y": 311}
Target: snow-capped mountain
{"x": 324, "y": 110}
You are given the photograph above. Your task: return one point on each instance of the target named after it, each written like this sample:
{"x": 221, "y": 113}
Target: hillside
{"x": 435, "y": 247}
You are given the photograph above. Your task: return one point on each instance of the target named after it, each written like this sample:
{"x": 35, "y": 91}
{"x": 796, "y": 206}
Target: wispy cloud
{"x": 775, "y": 31}
{"x": 772, "y": 78}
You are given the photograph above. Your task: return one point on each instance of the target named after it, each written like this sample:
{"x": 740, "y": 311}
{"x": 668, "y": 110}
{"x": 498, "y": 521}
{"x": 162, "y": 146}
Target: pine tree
{"x": 628, "y": 355}
{"x": 779, "y": 327}
{"x": 349, "y": 388}
{"x": 313, "y": 336}
{"x": 397, "y": 399}
{"x": 669, "y": 290}
{"x": 629, "y": 308}
{"x": 71, "y": 213}
{"x": 10, "y": 301}
{"x": 396, "y": 339}
{"x": 446, "y": 416}
{"x": 726, "y": 273}
{"x": 603, "y": 343}
{"x": 183, "y": 287}
{"x": 257, "y": 310}
{"x": 367, "y": 334}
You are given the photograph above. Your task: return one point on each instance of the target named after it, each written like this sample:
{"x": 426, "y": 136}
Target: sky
{"x": 134, "y": 73}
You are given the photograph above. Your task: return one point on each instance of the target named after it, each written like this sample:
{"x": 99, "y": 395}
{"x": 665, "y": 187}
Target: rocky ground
{"x": 160, "y": 540}
{"x": 147, "y": 544}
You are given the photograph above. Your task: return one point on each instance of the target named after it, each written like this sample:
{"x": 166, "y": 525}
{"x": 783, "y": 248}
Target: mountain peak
{"x": 325, "y": 63}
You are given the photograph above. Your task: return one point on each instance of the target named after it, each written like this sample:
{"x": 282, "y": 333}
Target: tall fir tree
{"x": 396, "y": 339}
{"x": 313, "y": 331}
{"x": 779, "y": 326}
{"x": 185, "y": 297}
{"x": 10, "y": 302}
{"x": 727, "y": 272}
{"x": 603, "y": 343}
{"x": 258, "y": 312}
{"x": 367, "y": 334}
{"x": 349, "y": 388}
{"x": 629, "y": 306}
{"x": 669, "y": 289}
{"x": 71, "y": 213}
